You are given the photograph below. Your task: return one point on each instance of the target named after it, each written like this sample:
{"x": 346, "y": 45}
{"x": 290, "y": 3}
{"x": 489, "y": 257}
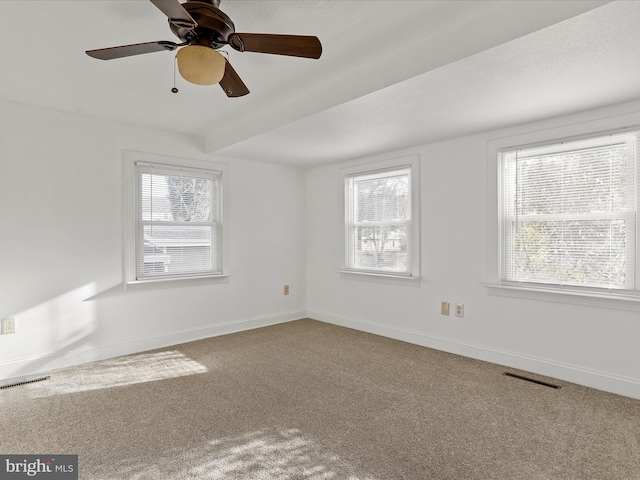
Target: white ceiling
{"x": 392, "y": 74}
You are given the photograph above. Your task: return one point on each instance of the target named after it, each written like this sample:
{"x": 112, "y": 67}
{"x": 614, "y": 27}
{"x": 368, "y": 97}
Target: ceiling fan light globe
{"x": 200, "y": 65}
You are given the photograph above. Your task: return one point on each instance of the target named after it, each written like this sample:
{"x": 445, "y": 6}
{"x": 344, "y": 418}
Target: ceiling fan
{"x": 203, "y": 29}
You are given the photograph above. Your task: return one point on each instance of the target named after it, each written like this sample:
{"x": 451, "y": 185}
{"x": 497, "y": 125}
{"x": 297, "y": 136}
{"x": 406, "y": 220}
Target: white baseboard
{"x": 629, "y": 387}
{"x": 40, "y": 364}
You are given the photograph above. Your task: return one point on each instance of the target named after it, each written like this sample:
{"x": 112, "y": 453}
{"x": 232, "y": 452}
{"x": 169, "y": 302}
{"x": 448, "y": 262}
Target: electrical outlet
{"x": 8, "y": 325}
{"x": 459, "y": 310}
{"x": 444, "y": 308}
{"x": 286, "y": 289}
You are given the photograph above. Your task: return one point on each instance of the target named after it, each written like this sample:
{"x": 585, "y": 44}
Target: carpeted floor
{"x": 308, "y": 400}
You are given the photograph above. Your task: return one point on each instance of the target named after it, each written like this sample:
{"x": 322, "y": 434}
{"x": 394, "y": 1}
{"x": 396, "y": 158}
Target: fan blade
{"x": 176, "y": 13}
{"x": 231, "y": 83}
{"x": 129, "y": 50}
{"x": 291, "y": 45}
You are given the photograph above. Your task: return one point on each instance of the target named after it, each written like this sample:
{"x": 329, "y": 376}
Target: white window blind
{"x": 378, "y": 221}
{"x": 178, "y": 227}
{"x": 569, "y": 213}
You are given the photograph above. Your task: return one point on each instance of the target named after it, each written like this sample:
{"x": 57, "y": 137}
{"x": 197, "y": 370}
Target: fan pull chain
{"x": 175, "y": 61}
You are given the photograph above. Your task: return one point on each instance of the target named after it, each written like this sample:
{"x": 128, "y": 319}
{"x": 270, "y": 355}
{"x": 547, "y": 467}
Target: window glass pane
{"x": 587, "y": 252}
{"x": 381, "y": 248}
{"x": 176, "y": 249}
{"x": 383, "y": 199}
{"x": 175, "y": 198}
{"x": 582, "y": 181}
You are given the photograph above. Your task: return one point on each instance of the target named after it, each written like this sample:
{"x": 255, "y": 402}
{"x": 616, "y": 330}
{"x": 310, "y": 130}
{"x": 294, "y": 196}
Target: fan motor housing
{"x": 214, "y": 27}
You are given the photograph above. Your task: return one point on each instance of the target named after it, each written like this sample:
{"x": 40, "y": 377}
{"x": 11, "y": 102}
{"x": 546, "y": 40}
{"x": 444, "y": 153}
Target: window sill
{"x": 176, "y": 282}
{"x": 617, "y": 301}
{"x": 406, "y": 280}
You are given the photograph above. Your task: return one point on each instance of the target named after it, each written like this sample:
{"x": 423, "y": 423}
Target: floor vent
{"x": 532, "y": 380}
{"x": 25, "y": 382}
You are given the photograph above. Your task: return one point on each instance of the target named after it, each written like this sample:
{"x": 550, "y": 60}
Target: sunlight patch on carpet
{"x": 283, "y": 454}
{"x": 118, "y": 372}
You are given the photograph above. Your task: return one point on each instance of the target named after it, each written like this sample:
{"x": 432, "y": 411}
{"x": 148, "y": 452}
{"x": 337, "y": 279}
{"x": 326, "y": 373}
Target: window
{"x": 175, "y": 220}
{"x": 569, "y": 213}
{"x": 380, "y": 208}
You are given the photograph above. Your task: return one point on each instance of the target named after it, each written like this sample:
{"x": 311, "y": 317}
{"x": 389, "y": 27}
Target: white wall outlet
{"x": 286, "y": 290}
{"x": 8, "y": 325}
{"x": 444, "y": 308}
{"x": 459, "y": 310}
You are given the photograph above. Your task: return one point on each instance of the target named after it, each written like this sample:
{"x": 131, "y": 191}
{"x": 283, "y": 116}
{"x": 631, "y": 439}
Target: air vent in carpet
{"x": 23, "y": 381}
{"x": 532, "y": 380}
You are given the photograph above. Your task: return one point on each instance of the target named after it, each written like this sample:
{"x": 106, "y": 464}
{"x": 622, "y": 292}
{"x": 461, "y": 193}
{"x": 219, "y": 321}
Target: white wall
{"x": 580, "y": 343}
{"x": 61, "y": 245}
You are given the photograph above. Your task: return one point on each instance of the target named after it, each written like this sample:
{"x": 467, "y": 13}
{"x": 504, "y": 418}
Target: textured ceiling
{"x": 392, "y": 74}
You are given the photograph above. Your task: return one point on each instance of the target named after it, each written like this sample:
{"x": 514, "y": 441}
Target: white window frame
{"x": 132, "y": 211}
{"x": 596, "y": 297}
{"x": 411, "y": 162}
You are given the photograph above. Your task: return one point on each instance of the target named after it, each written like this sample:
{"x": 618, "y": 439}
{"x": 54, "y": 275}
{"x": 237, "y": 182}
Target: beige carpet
{"x": 308, "y": 400}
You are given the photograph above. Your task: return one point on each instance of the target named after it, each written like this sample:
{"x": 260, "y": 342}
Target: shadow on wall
{"x": 49, "y": 333}
{"x": 268, "y": 453}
